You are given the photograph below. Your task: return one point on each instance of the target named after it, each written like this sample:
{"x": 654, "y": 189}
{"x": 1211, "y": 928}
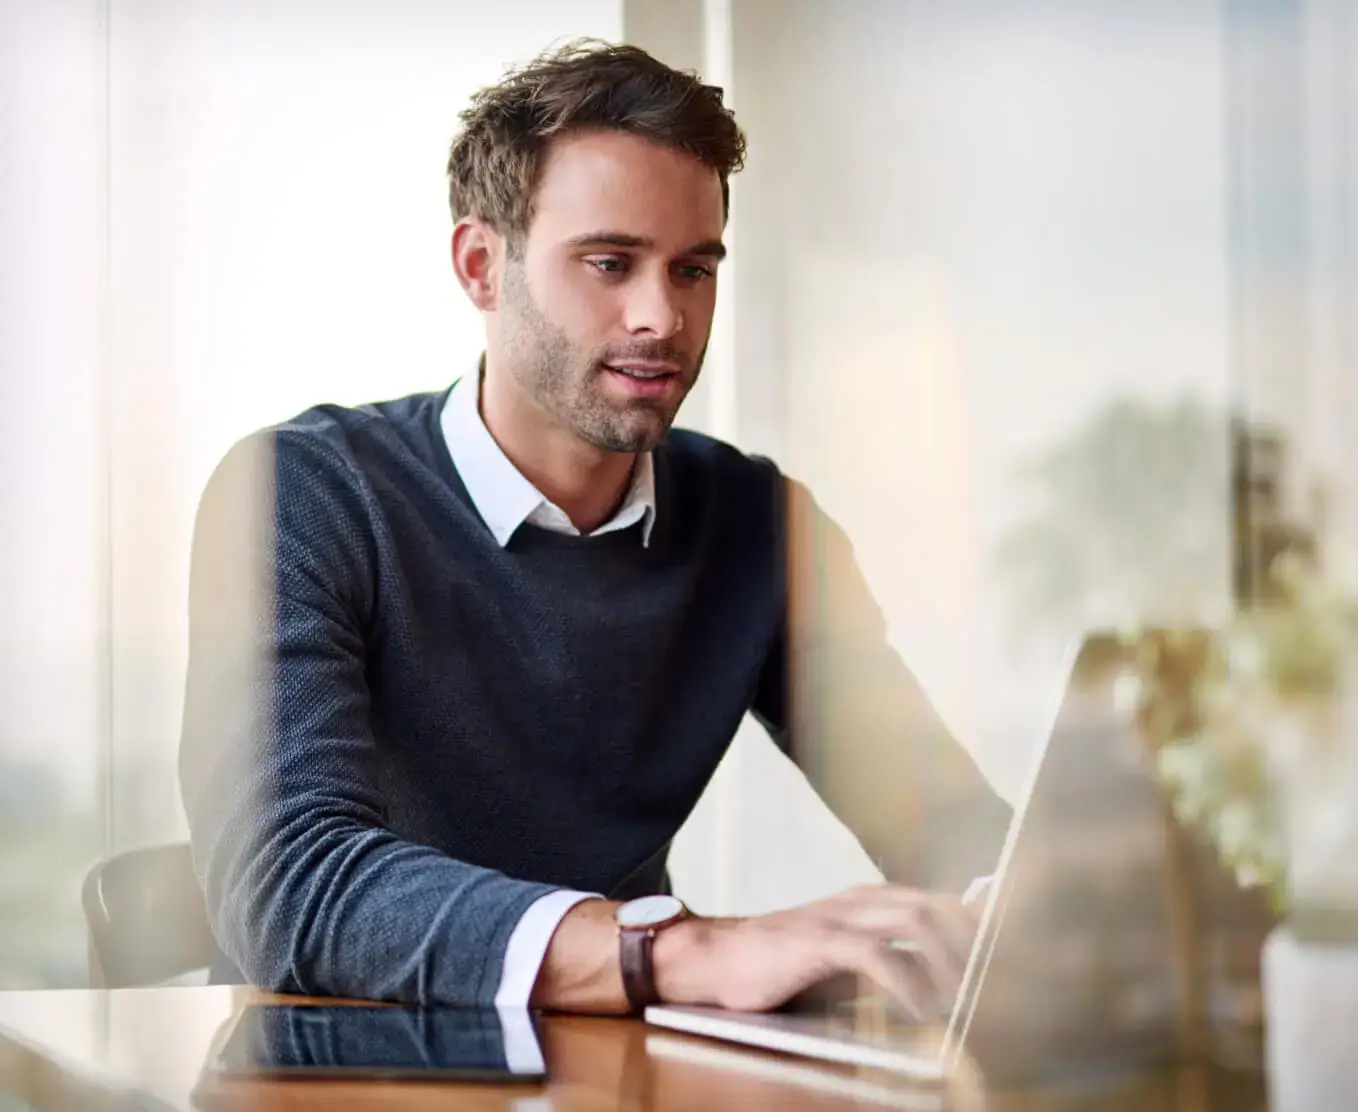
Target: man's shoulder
{"x": 332, "y": 447}
{"x": 345, "y": 443}
{"x": 411, "y": 421}
{"x": 735, "y": 493}
{"x": 697, "y": 452}
{"x": 744, "y": 483}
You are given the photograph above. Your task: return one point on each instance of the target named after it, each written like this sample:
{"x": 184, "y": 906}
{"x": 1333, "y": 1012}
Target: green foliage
{"x": 1237, "y": 815}
{"x": 1217, "y": 712}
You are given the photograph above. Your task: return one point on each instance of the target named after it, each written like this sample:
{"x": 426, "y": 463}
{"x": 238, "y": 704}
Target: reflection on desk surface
{"x": 146, "y": 1048}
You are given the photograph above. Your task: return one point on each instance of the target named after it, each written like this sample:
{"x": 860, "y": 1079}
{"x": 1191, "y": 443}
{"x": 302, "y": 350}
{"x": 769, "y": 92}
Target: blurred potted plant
{"x": 1255, "y": 732}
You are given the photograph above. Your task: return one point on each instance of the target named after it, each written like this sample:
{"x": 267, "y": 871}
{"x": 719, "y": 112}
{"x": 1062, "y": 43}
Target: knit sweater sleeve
{"x": 836, "y": 696}
{"x": 307, "y": 890}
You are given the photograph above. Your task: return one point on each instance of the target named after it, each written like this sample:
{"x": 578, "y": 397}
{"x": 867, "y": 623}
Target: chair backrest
{"x": 146, "y": 918}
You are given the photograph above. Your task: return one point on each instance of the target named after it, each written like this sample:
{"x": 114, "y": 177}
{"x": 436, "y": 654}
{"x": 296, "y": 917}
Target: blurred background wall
{"x": 1001, "y": 277}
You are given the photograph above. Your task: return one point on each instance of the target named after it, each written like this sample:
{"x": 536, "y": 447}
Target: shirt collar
{"x": 503, "y": 497}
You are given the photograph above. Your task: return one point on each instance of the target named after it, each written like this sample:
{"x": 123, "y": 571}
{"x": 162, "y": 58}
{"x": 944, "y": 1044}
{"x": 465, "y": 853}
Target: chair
{"x": 147, "y": 920}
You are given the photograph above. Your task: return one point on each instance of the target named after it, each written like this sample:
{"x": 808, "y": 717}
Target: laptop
{"x": 1076, "y": 963}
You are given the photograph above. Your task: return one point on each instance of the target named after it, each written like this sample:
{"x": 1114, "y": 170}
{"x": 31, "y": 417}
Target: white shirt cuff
{"x": 528, "y": 945}
{"x": 523, "y": 1052}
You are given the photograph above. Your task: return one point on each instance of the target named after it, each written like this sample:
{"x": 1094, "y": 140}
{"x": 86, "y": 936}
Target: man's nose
{"x": 653, "y": 310}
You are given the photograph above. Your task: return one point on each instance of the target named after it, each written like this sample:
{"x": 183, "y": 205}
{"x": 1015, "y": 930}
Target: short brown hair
{"x": 495, "y": 161}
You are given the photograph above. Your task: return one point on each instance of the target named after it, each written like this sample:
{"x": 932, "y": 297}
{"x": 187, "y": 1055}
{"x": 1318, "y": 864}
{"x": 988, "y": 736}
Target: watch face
{"x": 648, "y": 911}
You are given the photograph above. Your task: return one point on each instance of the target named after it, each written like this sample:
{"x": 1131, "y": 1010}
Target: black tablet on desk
{"x": 356, "y": 1042}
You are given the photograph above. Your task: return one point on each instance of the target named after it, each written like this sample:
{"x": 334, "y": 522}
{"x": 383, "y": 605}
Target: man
{"x": 446, "y": 713}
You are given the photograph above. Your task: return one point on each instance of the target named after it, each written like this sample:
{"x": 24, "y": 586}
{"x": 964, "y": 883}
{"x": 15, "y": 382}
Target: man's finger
{"x": 955, "y": 924}
{"x": 908, "y": 987}
{"x": 927, "y": 946}
{"x": 938, "y": 927}
{"x": 865, "y": 907}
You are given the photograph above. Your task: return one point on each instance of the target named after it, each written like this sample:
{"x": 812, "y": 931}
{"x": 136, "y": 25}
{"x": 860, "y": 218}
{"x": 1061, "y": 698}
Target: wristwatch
{"x": 638, "y": 923}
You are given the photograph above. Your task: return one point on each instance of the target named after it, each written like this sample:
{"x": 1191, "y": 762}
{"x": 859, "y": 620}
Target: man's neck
{"x": 587, "y": 483}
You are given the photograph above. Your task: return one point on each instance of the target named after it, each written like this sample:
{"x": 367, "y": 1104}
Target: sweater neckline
{"x": 433, "y": 427}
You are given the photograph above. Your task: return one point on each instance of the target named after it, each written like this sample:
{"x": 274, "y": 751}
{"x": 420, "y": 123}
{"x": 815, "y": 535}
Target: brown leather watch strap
{"x": 639, "y": 921}
{"x": 638, "y": 974}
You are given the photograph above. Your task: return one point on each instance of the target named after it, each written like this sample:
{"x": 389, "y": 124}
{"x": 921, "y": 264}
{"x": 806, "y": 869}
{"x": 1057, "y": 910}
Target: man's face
{"x": 604, "y": 318}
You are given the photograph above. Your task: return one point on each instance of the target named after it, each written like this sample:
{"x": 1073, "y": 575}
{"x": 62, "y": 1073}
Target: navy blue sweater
{"x": 398, "y": 734}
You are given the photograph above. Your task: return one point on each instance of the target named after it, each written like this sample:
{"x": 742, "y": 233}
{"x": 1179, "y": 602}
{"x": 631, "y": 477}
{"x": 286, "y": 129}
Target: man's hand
{"x": 912, "y": 944}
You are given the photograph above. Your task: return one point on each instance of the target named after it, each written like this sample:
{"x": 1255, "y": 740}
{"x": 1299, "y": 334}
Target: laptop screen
{"x": 1114, "y": 937}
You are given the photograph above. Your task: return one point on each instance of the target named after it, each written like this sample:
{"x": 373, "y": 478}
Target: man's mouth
{"x": 643, "y": 370}
{"x": 644, "y": 378}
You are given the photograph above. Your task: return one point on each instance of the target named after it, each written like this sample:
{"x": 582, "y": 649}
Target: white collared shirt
{"x": 505, "y": 499}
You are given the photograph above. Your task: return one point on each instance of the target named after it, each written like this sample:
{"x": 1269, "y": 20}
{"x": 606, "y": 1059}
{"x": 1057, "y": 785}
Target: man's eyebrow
{"x": 711, "y": 248}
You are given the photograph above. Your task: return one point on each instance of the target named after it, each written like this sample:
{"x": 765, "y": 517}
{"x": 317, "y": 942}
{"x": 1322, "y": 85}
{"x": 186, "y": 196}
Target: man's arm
{"x": 307, "y": 890}
{"x": 838, "y": 699}
{"x": 757, "y": 963}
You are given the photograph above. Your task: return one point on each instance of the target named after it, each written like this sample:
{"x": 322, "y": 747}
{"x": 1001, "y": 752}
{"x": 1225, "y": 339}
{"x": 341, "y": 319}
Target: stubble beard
{"x": 568, "y": 382}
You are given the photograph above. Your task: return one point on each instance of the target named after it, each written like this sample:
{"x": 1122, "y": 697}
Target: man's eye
{"x": 695, "y": 272}
{"x": 608, "y": 264}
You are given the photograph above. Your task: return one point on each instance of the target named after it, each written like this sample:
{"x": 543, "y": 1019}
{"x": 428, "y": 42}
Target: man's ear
{"x": 477, "y": 249}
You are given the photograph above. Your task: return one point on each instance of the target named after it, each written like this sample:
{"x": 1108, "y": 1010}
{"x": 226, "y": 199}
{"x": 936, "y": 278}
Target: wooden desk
{"x": 144, "y": 1049}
